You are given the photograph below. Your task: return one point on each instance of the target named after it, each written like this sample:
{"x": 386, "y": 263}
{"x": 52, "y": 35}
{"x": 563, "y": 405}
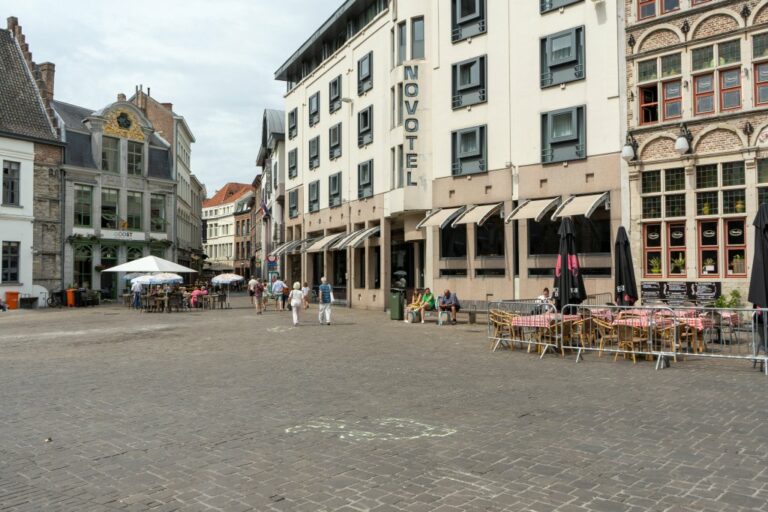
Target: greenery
{"x": 679, "y": 262}
{"x": 732, "y": 300}
{"x": 655, "y": 264}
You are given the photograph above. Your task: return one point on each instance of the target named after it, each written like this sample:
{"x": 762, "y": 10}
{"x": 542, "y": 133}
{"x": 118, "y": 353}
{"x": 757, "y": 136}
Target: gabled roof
{"x": 229, "y": 193}
{"x": 72, "y": 115}
{"x": 22, "y": 113}
{"x": 272, "y": 131}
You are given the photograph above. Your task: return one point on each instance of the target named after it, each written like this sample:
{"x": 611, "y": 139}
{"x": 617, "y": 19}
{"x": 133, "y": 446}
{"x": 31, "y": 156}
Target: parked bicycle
{"x": 54, "y": 300}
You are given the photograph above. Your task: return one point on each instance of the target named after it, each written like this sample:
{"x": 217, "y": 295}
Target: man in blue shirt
{"x": 449, "y": 302}
{"x": 325, "y": 299}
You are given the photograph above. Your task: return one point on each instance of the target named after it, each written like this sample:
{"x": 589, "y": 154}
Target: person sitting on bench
{"x": 449, "y": 302}
{"x": 414, "y": 306}
{"x": 427, "y": 303}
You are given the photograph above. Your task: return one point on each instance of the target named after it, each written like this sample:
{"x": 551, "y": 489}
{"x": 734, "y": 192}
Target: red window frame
{"x": 666, "y": 101}
{"x": 758, "y": 84}
{"x": 643, "y": 3}
{"x": 724, "y": 90}
{"x": 671, "y": 10}
{"x": 650, "y": 104}
{"x": 669, "y": 249}
{"x": 702, "y": 248}
{"x": 697, "y": 94}
{"x": 659, "y": 251}
{"x": 735, "y": 247}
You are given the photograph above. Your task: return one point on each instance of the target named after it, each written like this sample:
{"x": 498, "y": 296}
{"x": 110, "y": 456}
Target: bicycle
{"x": 54, "y": 300}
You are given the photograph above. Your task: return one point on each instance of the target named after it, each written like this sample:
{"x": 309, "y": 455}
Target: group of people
{"x": 297, "y": 297}
{"x": 421, "y": 302}
{"x": 190, "y": 298}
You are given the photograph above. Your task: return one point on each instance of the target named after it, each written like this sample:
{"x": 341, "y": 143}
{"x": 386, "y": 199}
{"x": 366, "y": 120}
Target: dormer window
{"x": 110, "y": 154}
{"x": 135, "y": 158}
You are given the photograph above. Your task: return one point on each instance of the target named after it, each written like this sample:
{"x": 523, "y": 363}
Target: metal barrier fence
{"x": 659, "y": 333}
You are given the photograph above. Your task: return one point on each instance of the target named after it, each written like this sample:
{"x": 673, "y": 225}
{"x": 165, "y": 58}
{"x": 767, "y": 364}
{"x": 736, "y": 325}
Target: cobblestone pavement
{"x": 231, "y": 411}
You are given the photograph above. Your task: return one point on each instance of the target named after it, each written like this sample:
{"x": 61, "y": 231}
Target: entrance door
{"x": 108, "y": 279}
{"x": 317, "y": 268}
{"x": 402, "y": 265}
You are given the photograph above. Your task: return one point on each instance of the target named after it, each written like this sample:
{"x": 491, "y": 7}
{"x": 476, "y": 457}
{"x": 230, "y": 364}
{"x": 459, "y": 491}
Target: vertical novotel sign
{"x": 411, "y": 123}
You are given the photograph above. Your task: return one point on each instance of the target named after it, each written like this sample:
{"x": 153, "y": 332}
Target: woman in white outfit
{"x": 296, "y": 298}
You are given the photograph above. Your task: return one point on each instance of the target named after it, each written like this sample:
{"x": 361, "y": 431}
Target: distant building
{"x": 271, "y": 159}
{"x": 30, "y": 155}
{"x": 219, "y": 218}
{"x": 243, "y": 239}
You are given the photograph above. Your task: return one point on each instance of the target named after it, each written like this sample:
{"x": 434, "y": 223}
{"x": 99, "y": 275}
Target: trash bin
{"x": 12, "y": 299}
{"x": 71, "y": 297}
{"x": 396, "y": 304}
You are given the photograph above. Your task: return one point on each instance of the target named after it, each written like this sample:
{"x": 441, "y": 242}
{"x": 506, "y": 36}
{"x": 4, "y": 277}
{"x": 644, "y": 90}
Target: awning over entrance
{"x": 342, "y": 243}
{"x": 365, "y": 235}
{"x": 280, "y": 249}
{"x": 323, "y": 243}
{"x": 478, "y": 214}
{"x": 533, "y": 209}
{"x": 441, "y": 218}
{"x": 299, "y": 246}
{"x": 581, "y": 205}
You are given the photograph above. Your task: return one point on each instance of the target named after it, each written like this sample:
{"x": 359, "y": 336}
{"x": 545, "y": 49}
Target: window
{"x": 732, "y": 179}
{"x": 135, "y": 154}
{"x": 10, "y": 269}
{"x": 334, "y": 190}
{"x": 551, "y": 5}
{"x": 676, "y": 250}
{"x": 293, "y": 126}
{"x": 593, "y": 235}
{"x": 669, "y": 5}
{"x": 563, "y": 135}
{"x": 649, "y": 104}
{"x": 709, "y": 248}
{"x": 652, "y": 250}
{"x": 314, "y": 197}
{"x": 673, "y": 100}
{"x": 562, "y": 57}
{"x": 489, "y": 238}
{"x": 469, "y": 83}
{"x": 670, "y": 107}
{"x": 334, "y": 142}
{"x": 468, "y": 19}
{"x": 469, "y": 151}
{"x": 365, "y": 179}
{"x": 729, "y": 52}
{"x": 365, "y": 74}
{"x": 293, "y": 204}
{"x": 83, "y": 267}
{"x": 453, "y": 242}
{"x": 760, "y": 46}
{"x": 703, "y": 58}
{"x": 110, "y": 200}
{"x": 727, "y": 80}
{"x": 135, "y": 206}
{"x": 654, "y": 196}
{"x": 83, "y": 206}
{"x": 134, "y": 253}
{"x": 401, "y": 42}
{"x": 735, "y": 247}
{"x": 417, "y": 38}
{"x": 704, "y": 94}
{"x": 314, "y": 152}
{"x": 730, "y": 89}
{"x": 334, "y": 95}
{"x": 314, "y": 109}
{"x": 365, "y": 127}
{"x": 646, "y": 9}
{"x": 761, "y": 83}
{"x": 293, "y": 167}
{"x": 11, "y": 183}
{"x": 110, "y": 154}
{"x": 157, "y": 213}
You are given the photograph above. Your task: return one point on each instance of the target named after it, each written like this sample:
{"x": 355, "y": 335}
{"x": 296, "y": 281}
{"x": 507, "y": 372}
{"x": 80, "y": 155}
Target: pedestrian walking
{"x": 295, "y": 299}
{"x": 252, "y": 288}
{"x": 136, "y": 291}
{"x": 325, "y": 299}
{"x": 258, "y": 296}
{"x": 305, "y": 291}
{"x": 277, "y": 290}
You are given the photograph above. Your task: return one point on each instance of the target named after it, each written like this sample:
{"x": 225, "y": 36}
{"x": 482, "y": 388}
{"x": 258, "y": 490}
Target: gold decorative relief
{"x": 123, "y": 123}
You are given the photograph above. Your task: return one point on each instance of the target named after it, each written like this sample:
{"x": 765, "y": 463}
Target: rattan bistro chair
{"x": 606, "y": 333}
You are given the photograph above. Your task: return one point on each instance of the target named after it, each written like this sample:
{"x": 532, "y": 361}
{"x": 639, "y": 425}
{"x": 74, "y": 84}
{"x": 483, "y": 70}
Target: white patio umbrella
{"x": 226, "y": 279}
{"x": 131, "y": 276}
{"x": 161, "y": 278}
{"x": 151, "y": 264}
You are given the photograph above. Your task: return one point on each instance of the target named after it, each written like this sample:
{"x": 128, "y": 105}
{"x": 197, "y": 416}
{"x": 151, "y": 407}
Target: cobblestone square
{"x": 227, "y": 410}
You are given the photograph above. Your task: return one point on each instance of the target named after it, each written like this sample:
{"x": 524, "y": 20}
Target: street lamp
{"x": 629, "y": 151}
{"x": 683, "y": 142}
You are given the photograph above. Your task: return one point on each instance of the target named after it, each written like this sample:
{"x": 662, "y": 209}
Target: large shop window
{"x": 334, "y": 95}
{"x": 453, "y": 241}
{"x": 593, "y": 235}
{"x": 489, "y": 237}
{"x": 365, "y": 179}
{"x": 562, "y": 57}
{"x": 11, "y": 183}
{"x": 293, "y": 204}
{"x": 135, "y": 206}
{"x": 314, "y": 109}
{"x": 563, "y": 135}
{"x": 365, "y": 126}
{"x": 365, "y": 74}
{"x": 110, "y": 154}
{"x": 10, "y": 268}
{"x": 660, "y": 78}
{"x": 110, "y": 208}
{"x": 717, "y": 77}
{"x": 314, "y": 196}
{"x": 469, "y": 82}
{"x": 314, "y": 152}
{"x": 83, "y": 206}
{"x": 334, "y": 141}
{"x": 468, "y": 19}
{"x": 469, "y": 148}
{"x": 334, "y": 190}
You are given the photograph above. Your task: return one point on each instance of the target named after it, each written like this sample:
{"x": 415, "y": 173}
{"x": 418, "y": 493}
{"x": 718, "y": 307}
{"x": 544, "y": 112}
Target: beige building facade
{"x": 422, "y": 139}
{"x": 697, "y": 94}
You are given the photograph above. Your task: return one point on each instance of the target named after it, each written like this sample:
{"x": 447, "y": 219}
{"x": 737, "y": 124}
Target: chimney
{"x": 13, "y": 22}
{"x": 169, "y": 106}
{"x": 47, "y": 74}
{"x": 121, "y": 97}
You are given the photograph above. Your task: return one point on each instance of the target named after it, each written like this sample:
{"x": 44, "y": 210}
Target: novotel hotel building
{"x": 438, "y": 143}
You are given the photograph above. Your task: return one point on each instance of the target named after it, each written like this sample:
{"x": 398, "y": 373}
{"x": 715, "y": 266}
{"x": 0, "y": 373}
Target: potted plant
{"x": 705, "y": 209}
{"x": 678, "y": 264}
{"x": 737, "y": 265}
{"x": 709, "y": 265}
{"x": 739, "y": 206}
{"x": 655, "y": 265}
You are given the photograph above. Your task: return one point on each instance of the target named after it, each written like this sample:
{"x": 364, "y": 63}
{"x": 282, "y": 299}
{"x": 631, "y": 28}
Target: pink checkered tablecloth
{"x": 643, "y": 322}
{"x": 541, "y": 321}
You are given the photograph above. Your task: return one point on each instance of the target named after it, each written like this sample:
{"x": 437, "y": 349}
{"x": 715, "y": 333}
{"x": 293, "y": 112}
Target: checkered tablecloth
{"x": 541, "y": 321}
{"x": 643, "y": 322}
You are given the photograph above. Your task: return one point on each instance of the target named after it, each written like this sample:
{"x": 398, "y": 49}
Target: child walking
{"x": 296, "y": 298}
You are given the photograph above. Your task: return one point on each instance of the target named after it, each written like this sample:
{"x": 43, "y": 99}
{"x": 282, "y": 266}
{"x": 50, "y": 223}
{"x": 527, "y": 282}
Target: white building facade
{"x": 428, "y": 142}
{"x": 219, "y": 215}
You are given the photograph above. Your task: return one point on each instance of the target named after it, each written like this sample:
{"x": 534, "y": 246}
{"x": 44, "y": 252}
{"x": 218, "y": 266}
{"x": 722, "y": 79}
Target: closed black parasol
{"x": 569, "y": 284}
{"x": 625, "y": 286}
{"x": 758, "y": 283}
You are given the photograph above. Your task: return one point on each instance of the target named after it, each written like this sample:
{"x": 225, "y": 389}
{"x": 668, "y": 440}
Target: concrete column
{"x": 691, "y": 238}
{"x": 385, "y": 244}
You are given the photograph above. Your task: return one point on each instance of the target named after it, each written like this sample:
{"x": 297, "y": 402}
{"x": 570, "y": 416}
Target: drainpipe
{"x": 175, "y": 190}
{"x": 62, "y": 217}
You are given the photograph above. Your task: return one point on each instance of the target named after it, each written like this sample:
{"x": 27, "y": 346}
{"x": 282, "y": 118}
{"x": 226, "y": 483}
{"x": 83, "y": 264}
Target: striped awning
{"x": 441, "y": 217}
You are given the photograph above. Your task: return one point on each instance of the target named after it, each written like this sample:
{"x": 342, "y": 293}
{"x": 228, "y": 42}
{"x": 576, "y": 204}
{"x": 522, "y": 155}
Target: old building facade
{"x": 219, "y": 215}
{"x": 421, "y": 149}
{"x": 272, "y": 185}
{"x": 697, "y": 83}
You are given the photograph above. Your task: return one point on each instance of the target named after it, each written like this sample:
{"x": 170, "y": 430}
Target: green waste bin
{"x": 396, "y": 304}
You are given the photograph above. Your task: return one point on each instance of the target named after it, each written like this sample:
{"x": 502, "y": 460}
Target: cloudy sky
{"x": 213, "y": 59}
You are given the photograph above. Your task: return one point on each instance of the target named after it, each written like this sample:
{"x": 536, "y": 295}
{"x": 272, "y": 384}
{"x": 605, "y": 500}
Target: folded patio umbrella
{"x": 569, "y": 284}
{"x": 625, "y": 286}
{"x": 758, "y": 283}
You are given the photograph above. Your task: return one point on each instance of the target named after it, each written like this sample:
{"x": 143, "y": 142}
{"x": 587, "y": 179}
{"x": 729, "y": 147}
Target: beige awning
{"x": 581, "y": 205}
{"x": 297, "y": 247}
{"x": 325, "y": 242}
{"x": 440, "y": 218}
{"x": 280, "y": 249}
{"x": 362, "y": 237}
{"x": 479, "y": 214}
{"x": 341, "y": 243}
{"x": 533, "y": 209}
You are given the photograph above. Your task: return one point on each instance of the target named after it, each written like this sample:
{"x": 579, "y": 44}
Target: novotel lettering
{"x": 411, "y": 122}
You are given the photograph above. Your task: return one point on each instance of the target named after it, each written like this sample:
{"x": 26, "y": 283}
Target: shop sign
{"x": 123, "y": 235}
{"x": 680, "y": 290}
{"x": 411, "y": 122}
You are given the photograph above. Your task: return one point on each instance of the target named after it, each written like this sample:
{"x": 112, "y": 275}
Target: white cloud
{"x": 214, "y": 60}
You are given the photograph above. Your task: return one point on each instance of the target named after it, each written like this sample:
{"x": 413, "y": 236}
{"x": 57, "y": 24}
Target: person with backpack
{"x": 324, "y": 299}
